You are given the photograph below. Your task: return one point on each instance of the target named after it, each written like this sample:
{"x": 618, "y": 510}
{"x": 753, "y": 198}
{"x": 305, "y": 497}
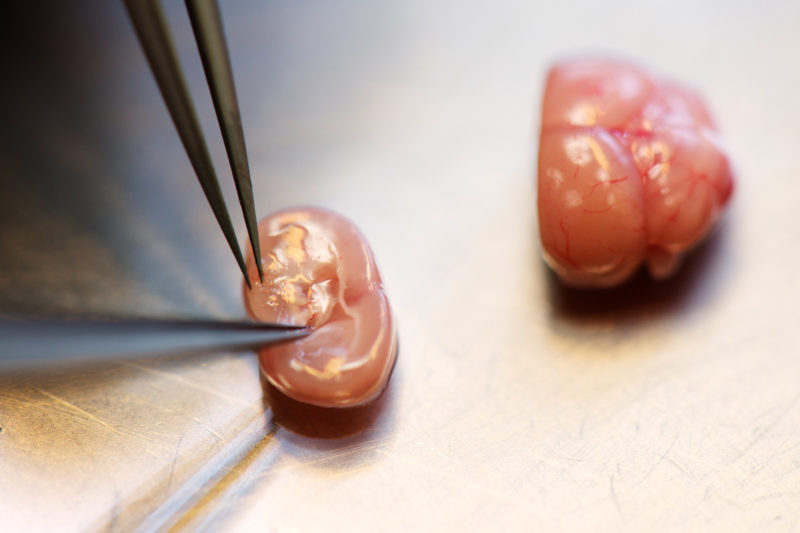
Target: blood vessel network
{"x": 631, "y": 170}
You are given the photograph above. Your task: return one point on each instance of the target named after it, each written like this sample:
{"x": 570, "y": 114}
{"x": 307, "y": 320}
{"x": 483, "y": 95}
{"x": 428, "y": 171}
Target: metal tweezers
{"x": 34, "y": 342}
{"x": 29, "y": 341}
{"x": 151, "y": 27}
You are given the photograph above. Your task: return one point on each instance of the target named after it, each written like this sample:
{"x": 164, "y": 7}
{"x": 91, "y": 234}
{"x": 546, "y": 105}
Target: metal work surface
{"x": 515, "y": 404}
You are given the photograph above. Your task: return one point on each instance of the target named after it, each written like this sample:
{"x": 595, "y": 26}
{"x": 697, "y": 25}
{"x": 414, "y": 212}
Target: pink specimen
{"x": 631, "y": 170}
{"x": 319, "y": 271}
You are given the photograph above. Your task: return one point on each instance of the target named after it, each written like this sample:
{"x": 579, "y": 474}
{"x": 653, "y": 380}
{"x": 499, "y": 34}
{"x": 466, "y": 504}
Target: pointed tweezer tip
{"x": 260, "y": 272}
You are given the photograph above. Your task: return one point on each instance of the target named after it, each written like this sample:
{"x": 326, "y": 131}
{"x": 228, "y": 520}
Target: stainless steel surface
{"x": 515, "y": 404}
{"x": 30, "y": 344}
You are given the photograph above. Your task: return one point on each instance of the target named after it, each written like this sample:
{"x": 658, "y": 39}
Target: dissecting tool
{"x": 151, "y": 27}
{"x": 24, "y": 342}
{"x": 46, "y": 340}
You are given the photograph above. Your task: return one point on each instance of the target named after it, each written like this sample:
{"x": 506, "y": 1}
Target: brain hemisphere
{"x": 631, "y": 170}
{"x": 320, "y": 272}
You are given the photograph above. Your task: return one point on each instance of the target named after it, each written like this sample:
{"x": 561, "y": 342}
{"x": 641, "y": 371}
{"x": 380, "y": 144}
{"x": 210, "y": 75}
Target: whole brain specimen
{"x": 631, "y": 170}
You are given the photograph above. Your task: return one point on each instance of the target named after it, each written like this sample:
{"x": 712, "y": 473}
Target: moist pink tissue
{"x": 631, "y": 170}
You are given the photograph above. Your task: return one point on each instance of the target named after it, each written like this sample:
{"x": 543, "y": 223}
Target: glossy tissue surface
{"x": 631, "y": 170}
{"x": 320, "y": 272}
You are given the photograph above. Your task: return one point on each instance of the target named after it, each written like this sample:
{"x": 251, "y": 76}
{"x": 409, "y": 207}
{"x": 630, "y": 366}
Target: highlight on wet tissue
{"x": 319, "y": 271}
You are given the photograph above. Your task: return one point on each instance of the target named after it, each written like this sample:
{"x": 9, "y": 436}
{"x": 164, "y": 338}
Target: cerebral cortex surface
{"x": 631, "y": 170}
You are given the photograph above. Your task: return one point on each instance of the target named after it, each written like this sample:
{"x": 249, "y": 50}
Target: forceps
{"x": 150, "y": 24}
{"x": 26, "y": 341}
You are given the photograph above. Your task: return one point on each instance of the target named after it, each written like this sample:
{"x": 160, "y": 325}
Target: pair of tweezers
{"x": 29, "y": 341}
{"x": 151, "y": 27}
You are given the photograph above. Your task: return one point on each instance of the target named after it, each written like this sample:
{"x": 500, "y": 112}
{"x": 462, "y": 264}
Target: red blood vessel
{"x": 320, "y": 272}
{"x": 631, "y": 170}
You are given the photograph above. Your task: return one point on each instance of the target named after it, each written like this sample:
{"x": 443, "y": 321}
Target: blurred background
{"x": 515, "y": 404}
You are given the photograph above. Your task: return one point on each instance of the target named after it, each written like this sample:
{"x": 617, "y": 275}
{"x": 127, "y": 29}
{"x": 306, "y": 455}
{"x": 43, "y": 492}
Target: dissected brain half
{"x": 631, "y": 170}
{"x": 320, "y": 272}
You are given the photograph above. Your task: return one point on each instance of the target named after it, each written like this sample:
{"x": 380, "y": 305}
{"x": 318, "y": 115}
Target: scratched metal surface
{"x": 515, "y": 404}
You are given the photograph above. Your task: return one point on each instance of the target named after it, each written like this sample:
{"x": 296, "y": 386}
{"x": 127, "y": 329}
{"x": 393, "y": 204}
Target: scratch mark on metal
{"x": 77, "y": 409}
{"x": 86, "y": 415}
{"x": 10, "y": 398}
{"x": 758, "y": 436}
{"x": 660, "y": 459}
{"x": 208, "y": 428}
{"x": 174, "y": 461}
{"x": 211, "y": 496}
{"x": 614, "y": 497}
{"x": 326, "y": 457}
{"x": 187, "y": 383}
{"x": 678, "y": 466}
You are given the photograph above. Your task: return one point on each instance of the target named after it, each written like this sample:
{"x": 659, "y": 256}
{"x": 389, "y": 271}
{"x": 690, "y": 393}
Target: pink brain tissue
{"x": 320, "y": 272}
{"x": 631, "y": 170}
